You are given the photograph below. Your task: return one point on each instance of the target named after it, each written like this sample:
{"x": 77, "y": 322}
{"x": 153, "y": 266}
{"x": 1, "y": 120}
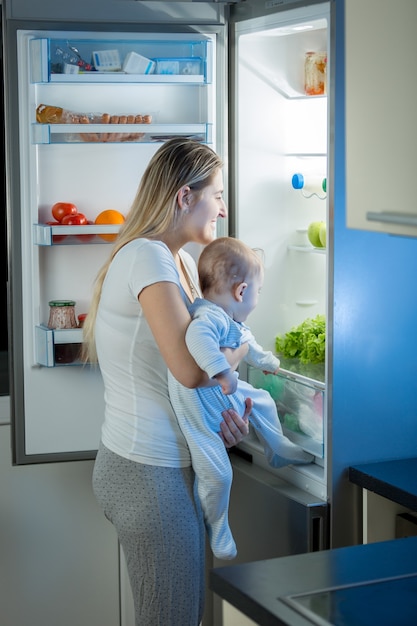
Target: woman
{"x": 136, "y": 328}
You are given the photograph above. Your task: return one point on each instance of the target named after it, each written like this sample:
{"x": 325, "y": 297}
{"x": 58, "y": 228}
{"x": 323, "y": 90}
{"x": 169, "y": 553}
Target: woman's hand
{"x": 234, "y": 428}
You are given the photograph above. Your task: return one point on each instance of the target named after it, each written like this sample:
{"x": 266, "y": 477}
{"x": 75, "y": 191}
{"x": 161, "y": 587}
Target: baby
{"x": 231, "y": 277}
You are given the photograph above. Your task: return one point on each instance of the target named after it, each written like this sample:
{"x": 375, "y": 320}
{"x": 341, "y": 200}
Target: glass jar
{"x": 62, "y": 316}
{"x": 315, "y": 73}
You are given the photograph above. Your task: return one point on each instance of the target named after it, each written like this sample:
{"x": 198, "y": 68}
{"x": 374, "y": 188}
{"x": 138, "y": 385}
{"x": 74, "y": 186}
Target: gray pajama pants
{"x": 160, "y": 527}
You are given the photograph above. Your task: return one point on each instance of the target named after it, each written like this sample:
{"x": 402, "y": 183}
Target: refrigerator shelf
{"x": 45, "y": 235}
{"x": 117, "y": 133}
{"x": 300, "y": 405}
{"x": 121, "y": 77}
{"x": 313, "y": 446}
{"x": 308, "y": 249}
{"x": 57, "y": 347}
{"x": 177, "y": 58}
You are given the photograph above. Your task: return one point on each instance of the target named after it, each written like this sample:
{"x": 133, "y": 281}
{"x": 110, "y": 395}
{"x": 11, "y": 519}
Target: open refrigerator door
{"x": 93, "y": 107}
{"x": 281, "y": 207}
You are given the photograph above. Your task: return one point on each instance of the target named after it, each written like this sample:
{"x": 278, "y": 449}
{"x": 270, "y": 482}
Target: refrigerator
{"x": 230, "y": 74}
{"x": 214, "y": 71}
{"x": 87, "y": 106}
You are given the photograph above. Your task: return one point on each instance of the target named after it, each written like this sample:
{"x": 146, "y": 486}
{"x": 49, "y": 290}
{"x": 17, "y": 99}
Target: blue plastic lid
{"x": 298, "y": 181}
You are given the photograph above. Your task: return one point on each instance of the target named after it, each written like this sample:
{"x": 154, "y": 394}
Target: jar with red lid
{"x": 81, "y": 319}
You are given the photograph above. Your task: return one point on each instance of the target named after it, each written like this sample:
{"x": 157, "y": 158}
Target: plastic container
{"x": 310, "y": 184}
{"x": 107, "y": 60}
{"x": 135, "y": 63}
{"x": 184, "y": 67}
{"x": 315, "y": 73}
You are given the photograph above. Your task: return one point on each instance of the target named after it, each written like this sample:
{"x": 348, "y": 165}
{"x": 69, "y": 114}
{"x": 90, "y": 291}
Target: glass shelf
{"x": 308, "y": 249}
{"x": 44, "y": 235}
{"x": 117, "y": 133}
{"x": 299, "y": 399}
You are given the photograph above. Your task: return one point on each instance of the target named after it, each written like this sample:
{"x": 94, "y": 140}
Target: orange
{"x": 110, "y": 216}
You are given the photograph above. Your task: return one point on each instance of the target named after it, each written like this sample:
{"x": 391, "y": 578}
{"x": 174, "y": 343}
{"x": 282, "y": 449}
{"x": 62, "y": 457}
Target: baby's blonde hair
{"x": 227, "y": 262}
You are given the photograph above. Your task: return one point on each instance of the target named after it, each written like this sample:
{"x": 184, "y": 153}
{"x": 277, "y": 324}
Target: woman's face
{"x": 203, "y": 215}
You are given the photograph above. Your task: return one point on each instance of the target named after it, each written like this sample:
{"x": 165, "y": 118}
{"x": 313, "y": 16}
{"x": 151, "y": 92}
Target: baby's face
{"x": 250, "y": 298}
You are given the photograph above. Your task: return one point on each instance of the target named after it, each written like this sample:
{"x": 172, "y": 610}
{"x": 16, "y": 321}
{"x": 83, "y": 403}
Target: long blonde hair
{"x": 178, "y": 162}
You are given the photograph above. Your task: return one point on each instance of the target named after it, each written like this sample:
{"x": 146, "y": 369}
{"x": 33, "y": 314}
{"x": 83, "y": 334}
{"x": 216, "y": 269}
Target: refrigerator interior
{"x": 280, "y": 131}
{"x": 96, "y": 167}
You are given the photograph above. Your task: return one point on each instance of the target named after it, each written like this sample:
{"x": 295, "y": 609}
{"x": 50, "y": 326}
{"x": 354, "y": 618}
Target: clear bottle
{"x": 310, "y": 184}
{"x": 315, "y": 73}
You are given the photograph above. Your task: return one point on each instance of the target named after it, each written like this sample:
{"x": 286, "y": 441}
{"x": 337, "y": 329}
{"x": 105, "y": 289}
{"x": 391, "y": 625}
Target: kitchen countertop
{"x": 366, "y": 584}
{"x": 395, "y": 480}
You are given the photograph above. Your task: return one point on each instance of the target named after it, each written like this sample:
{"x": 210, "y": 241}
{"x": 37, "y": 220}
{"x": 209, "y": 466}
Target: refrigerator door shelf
{"x": 57, "y": 347}
{"x": 300, "y": 405}
{"x": 173, "y": 58}
{"x": 44, "y": 235}
{"x": 116, "y": 133}
{"x": 121, "y": 77}
{"x": 307, "y": 249}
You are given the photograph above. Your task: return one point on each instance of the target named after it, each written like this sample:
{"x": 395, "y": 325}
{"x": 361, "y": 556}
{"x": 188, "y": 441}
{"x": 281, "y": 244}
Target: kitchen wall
{"x": 59, "y": 560}
{"x": 374, "y": 337}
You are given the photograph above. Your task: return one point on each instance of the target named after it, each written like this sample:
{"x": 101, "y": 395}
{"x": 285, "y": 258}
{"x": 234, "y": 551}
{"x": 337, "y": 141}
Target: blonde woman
{"x": 135, "y": 329}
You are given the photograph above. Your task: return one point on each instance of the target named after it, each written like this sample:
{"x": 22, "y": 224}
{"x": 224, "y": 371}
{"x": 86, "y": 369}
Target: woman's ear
{"x": 184, "y": 197}
{"x": 239, "y": 290}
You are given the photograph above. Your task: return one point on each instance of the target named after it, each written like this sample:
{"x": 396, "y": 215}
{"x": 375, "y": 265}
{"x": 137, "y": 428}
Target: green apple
{"x": 313, "y": 233}
{"x": 322, "y": 235}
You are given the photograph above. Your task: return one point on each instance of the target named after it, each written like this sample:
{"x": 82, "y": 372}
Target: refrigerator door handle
{"x": 392, "y": 218}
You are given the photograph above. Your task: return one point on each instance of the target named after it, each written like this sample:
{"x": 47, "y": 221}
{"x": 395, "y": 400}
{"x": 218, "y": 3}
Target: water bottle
{"x": 310, "y": 185}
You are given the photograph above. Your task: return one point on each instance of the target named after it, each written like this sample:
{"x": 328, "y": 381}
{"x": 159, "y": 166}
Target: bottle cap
{"x": 298, "y": 181}
{"x": 61, "y": 303}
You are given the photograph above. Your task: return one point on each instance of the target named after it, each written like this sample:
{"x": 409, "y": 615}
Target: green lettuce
{"x": 307, "y": 341}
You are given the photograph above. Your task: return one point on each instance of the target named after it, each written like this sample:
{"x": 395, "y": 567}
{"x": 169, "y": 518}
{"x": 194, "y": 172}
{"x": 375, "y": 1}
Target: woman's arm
{"x": 168, "y": 318}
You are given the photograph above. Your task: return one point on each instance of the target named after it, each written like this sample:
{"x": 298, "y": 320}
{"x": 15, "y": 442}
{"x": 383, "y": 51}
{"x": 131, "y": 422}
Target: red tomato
{"x": 77, "y": 219}
{"x": 56, "y": 238}
{"x": 88, "y": 237}
{"x": 60, "y": 209}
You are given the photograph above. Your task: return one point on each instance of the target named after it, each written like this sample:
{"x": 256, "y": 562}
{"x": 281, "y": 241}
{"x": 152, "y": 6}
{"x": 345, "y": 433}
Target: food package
{"x": 48, "y": 114}
{"x": 137, "y": 64}
{"x": 107, "y": 60}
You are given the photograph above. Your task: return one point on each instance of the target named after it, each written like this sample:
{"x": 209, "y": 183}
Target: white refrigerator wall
{"x": 280, "y": 133}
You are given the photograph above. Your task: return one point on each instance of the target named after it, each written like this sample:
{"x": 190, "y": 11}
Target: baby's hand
{"x": 275, "y": 373}
{"x": 227, "y": 381}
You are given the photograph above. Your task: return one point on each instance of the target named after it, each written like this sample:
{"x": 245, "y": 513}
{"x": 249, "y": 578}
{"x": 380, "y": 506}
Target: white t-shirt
{"x": 140, "y": 423}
